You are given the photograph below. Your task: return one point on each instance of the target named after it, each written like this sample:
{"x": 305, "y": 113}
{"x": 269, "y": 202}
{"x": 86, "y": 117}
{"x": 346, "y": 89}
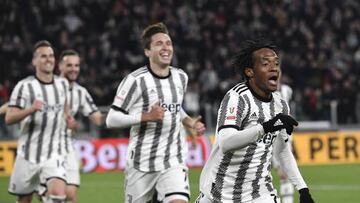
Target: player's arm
{"x": 97, "y": 118}
{"x": 70, "y": 120}
{"x": 4, "y": 108}
{"x": 232, "y": 138}
{"x": 126, "y": 95}
{"x": 192, "y": 124}
{"x": 289, "y": 166}
{"x": 119, "y": 118}
{"x": 16, "y": 114}
{"x": 90, "y": 110}
{"x": 233, "y": 110}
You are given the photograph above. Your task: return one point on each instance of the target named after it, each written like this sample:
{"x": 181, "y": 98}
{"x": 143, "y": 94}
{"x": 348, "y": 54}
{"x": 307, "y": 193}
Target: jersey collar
{"x": 263, "y": 99}
{"x": 44, "y": 83}
{"x": 157, "y": 76}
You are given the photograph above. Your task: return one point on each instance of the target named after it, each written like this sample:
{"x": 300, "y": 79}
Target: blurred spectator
{"x": 4, "y": 92}
{"x": 4, "y": 97}
{"x": 320, "y": 39}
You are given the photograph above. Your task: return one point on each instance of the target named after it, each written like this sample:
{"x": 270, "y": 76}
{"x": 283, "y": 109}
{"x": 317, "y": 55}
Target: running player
{"x": 39, "y": 104}
{"x": 149, "y": 100}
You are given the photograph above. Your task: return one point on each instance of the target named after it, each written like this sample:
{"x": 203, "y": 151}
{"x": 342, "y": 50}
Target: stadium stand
{"x": 319, "y": 43}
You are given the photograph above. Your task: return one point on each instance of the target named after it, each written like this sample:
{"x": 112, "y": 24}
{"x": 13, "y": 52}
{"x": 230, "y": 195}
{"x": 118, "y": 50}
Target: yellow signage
{"x": 7, "y": 157}
{"x": 310, "y": 148}
{"x": 327, "y": 147}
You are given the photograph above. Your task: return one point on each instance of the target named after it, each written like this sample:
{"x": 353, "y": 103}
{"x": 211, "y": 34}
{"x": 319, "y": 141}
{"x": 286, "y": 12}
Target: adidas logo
{"x": 278, "y": 122}
{"x": 253, "y": 116}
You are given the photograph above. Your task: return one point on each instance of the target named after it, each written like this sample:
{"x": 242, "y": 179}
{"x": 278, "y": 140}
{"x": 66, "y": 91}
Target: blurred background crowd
{"x": 318, "y": 41}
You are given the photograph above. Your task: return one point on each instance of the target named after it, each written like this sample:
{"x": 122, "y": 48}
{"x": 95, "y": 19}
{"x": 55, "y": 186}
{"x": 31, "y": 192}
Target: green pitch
{"x": 330, "y": 184}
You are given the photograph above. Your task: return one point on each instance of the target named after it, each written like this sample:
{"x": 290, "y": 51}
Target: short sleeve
{"x": 126, "y": 94}
{"x": 88, "y": 105}
{"x": 232, "y": 111}
{"x": 19, "y": 96}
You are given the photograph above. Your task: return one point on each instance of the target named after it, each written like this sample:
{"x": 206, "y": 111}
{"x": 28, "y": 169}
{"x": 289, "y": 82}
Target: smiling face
{"x": 44, "y": 60}
{"x": 264, "y": 76}
{"x": 70, "y": 67}
{"x": 161, "y": 50}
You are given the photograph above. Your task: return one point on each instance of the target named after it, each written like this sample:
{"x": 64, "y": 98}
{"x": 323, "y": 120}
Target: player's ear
{"x": 60, "y": 66}
{"x": 33, "y": 61}
{"x": 249, "y": 72}
{"x": 147, "y": 52}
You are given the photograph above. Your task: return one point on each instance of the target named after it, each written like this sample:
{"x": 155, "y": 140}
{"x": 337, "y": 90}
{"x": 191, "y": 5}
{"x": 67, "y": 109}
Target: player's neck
{"x": 45, "y": 77}
{"x": 159, "y": 70}
{"x": 258, "y": 92}
{"x": 71, "y": 83}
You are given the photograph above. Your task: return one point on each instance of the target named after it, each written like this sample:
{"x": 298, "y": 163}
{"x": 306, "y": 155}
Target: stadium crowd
{"x": 318, "y": 41}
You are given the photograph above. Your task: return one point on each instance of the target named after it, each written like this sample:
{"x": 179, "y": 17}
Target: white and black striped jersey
{"x": 243, "y": 174}
{"x": 40, "y": 132}
{"x": 80, "y": 101}
{"x": 153, "y": 146}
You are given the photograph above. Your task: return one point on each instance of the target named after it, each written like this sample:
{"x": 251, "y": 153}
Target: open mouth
{"x": 165, "y": 55}
{"x": 273, "y": 80}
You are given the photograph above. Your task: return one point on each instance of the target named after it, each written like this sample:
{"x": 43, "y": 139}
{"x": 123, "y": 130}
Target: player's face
{"x": 44, "y": 60}
{"x": 266, "y": 71}
{"x": 161, "y": 50}
{"x": 70, "y": 67}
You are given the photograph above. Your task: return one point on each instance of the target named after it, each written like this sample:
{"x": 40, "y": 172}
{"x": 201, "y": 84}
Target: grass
{"x": 330, "y": 184}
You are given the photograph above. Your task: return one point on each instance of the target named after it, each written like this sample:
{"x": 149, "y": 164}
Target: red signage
{"x": 100, "y": 155}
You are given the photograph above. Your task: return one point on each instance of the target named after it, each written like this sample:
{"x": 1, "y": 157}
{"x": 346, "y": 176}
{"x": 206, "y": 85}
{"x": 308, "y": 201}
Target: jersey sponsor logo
{"x": 268, "y": 138}
{"x": 52, "y": 108}
{"x": 173, "y": 108}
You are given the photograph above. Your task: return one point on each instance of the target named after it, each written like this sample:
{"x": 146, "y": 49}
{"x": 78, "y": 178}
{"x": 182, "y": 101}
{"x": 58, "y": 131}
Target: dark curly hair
{"x": 244, "y": 57}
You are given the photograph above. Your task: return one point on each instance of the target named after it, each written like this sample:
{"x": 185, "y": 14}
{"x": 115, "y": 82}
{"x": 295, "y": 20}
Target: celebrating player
{"x": 253, "y": 123}
{"x": 39, "y": 104}
{"x": 150, "y": 99}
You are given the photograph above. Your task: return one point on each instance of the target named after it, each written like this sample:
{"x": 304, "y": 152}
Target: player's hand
{"x": 199, "y": 126}
{"x": 305, "y": 196}
{"x": 155, "y": 114}
{"x": 281, "y": 174}
{"x": 71, "y": 123}
{"x": 288, "y": 123}
{"x": 36, "y": 105}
